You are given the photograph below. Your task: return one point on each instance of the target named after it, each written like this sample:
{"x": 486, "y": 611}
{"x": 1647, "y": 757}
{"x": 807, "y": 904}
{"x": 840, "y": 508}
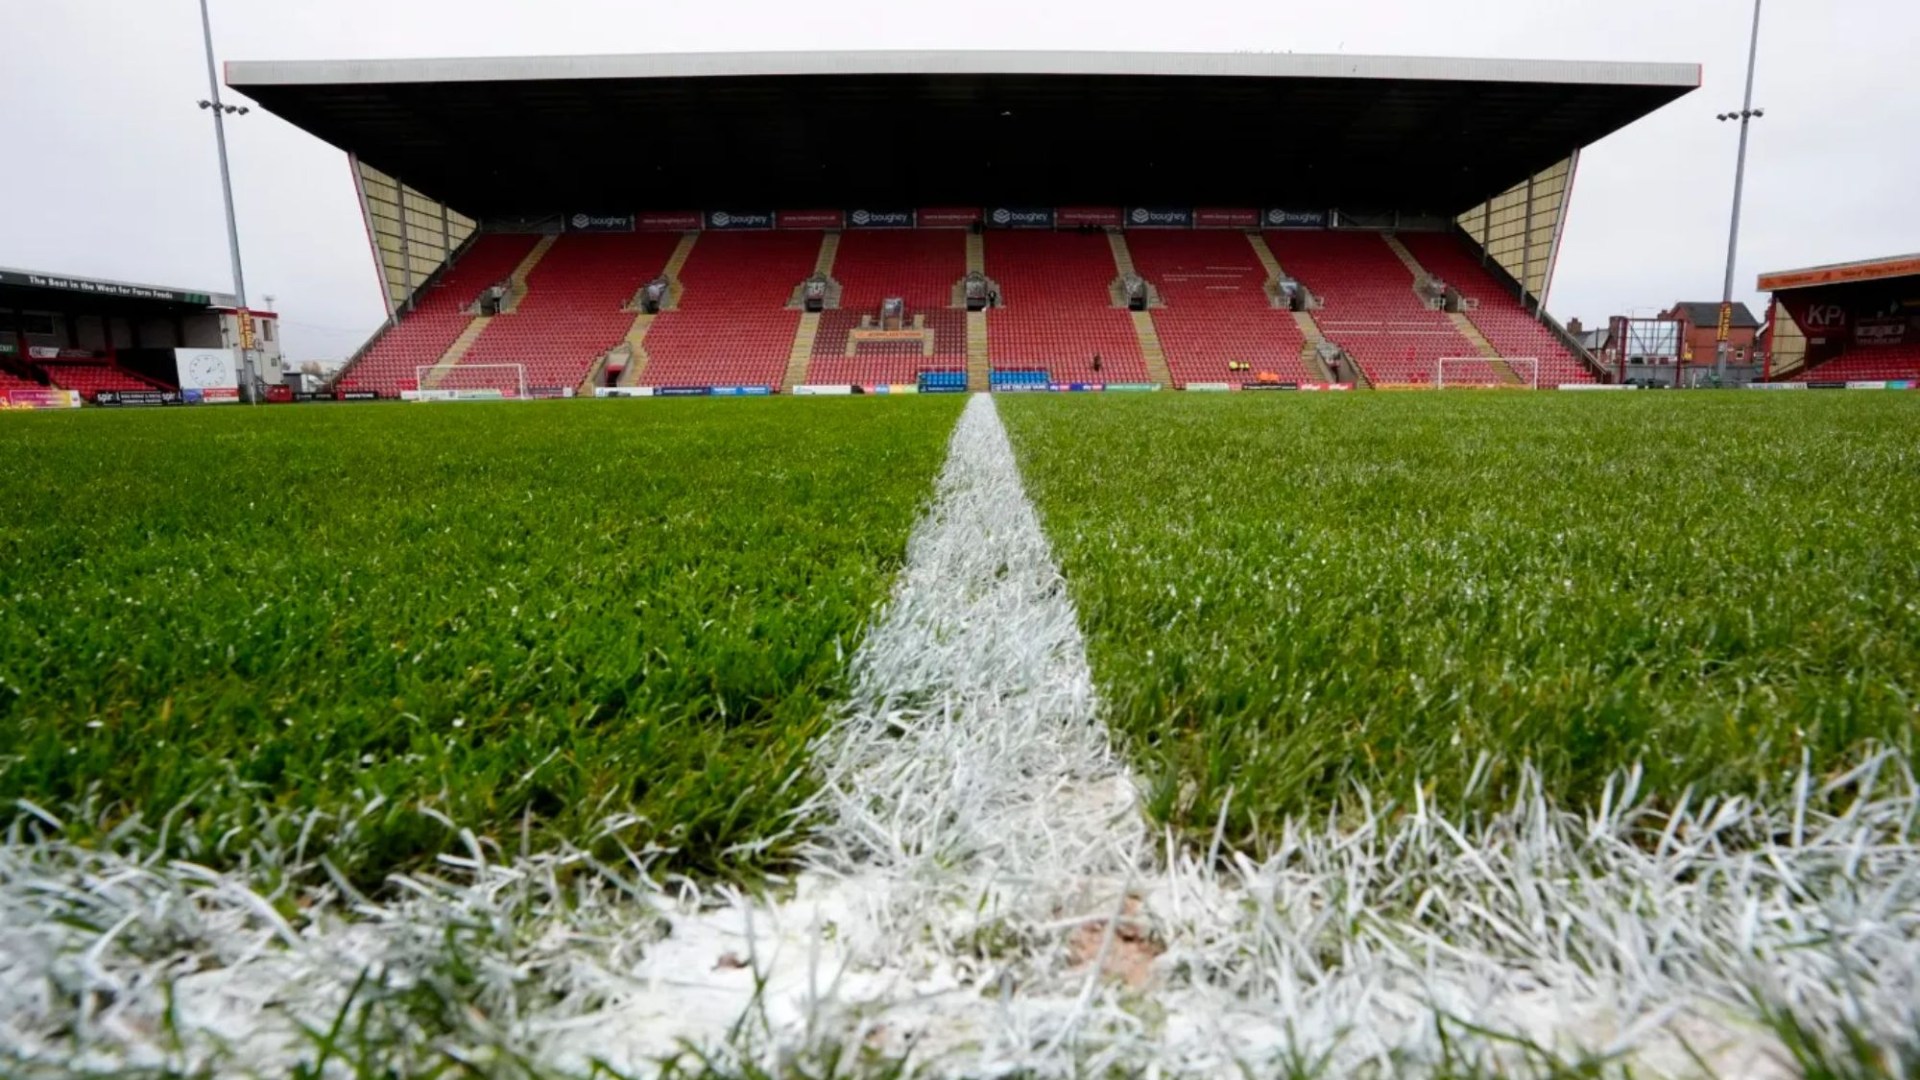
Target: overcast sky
{"x": 111, "y": 169}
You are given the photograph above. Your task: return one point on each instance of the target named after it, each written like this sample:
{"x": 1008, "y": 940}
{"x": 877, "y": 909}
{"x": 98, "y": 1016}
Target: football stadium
{"x": 1009, "y": 677}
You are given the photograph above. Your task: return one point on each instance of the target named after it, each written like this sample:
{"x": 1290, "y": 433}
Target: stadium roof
{"x": 497, "y": 137}
{"x": 70, "y": 292}
{"x": 1841, "y": 273}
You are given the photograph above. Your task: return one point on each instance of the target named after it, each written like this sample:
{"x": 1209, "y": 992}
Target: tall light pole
{"x": 220, "y": 111}
{"x": 1747, "y": 115}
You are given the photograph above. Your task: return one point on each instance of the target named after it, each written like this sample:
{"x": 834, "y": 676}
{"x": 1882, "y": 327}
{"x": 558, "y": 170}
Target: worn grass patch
{"x": 1290, "y": 596}
{"x": 523, "y": 618}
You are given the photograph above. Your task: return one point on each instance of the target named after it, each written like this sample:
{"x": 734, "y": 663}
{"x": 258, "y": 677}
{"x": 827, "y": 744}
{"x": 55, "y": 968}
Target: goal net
{"x": 1508, "y": 371}
{"x": 471, "y": 382}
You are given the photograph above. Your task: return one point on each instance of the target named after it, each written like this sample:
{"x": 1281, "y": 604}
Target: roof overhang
{"x": 515, "y": 135}
{"x": 1851, "y": 273}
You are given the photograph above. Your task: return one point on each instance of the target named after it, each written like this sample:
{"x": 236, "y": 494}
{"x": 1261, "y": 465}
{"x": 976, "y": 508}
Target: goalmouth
{"x": 1509, "y": 372}
{"x": 470, "y": 382}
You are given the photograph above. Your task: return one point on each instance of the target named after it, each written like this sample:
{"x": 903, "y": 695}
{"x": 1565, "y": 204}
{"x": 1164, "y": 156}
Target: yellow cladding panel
{"x": 1519, "y": 238}
{"x": 413, "y": 233}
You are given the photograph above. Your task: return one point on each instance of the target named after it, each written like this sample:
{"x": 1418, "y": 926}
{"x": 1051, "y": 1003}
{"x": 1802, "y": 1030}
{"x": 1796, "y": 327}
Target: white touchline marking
{"x": 981, "y": 893}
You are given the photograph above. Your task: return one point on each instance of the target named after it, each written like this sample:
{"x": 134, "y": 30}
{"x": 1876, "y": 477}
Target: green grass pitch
{"x": 1291, "y": 597}
{"x": 530, "y": 616}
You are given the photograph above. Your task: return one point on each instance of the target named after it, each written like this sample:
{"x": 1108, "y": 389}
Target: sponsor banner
{"x": 1607, "y": 386}
{"x": 479, "y": 394}
{"x": 959, "y": 388}
{"x": 102, "y": 288}
{"x": 1076, "y": 388}
{"x": 128, "y": 398}
{"x": 48, "y": 352}
{"x": 214, "y": 395}
{"x": 1873, "y": 333}
{"x": 1073, "y": 217}
{"x": 739, "y": 391}
{"x": 1273, "y": 386}
{"x": 1213, "y": 217}
{"x": 622, "y": 391}
{"x": 948, "y": 217}
{"x": 1294, "y": 219}
{"x": 33, "y": 397}
{"x": 8, "y": 348}
{"x": 810, "y": 219}
{"x": 739, "y": 219}
{"x": 587, "y": 221}
{"x": 1149, "y": 217}
{"x": 886, "y": 219}
{"x": 1826, "y": 386}
{"x": 822, "y": 390}
{"x": 1867, "y": 384}
{"x": 1132, "y": 387}
{"x": 356, "y": 395}
{"x": 667, "y": 221}
{"x": 1009, "y": 217}
{"x": 1021, "y": 388}
{"x": 202, "y": 369}
{"x": 1210, "y": 387}
{"x": 682, "y": 391}
{"x": 1839, "y": 275}
{"x": 893, "y": 388}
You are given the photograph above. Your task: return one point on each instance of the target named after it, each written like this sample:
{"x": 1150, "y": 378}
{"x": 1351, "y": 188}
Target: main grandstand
{"x": 1000, "y": 220}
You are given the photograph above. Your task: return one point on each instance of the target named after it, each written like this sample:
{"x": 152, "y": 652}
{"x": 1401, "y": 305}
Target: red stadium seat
{"x": 422, "y": 335}
{"x": 1499, "y": 316}
{"x": 919, "y": 267}
{"x": 89, "y": 377}
{"x": 1058, "y": 311}
{"x": 1217, "y": 311}
{"x": 574, "y": 309}
{"x": 1866, "y": 364}
{"x": 732, "y": 327}
{"x": 1370, "y": 309}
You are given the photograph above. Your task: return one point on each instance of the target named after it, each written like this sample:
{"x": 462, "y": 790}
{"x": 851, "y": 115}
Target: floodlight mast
{"x": 1746, "y": 116}
{"x": 220, "y": 111}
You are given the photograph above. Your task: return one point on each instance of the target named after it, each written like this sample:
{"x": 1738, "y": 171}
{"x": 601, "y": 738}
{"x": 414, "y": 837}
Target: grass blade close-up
{"x": 524, "y": 619}
{"x": 1289, "y": 598}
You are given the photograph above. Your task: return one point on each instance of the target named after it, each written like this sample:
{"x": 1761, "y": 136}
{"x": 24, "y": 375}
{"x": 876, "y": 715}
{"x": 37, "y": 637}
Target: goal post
{"x": 471, "y": 382}
{"x": 1486, "y": 371}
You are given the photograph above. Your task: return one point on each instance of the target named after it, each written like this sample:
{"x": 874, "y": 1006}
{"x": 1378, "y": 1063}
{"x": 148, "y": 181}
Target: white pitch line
{"x": 981, "y": 896}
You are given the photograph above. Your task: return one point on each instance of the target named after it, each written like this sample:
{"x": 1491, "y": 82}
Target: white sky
{"x": 111, "y": 170}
